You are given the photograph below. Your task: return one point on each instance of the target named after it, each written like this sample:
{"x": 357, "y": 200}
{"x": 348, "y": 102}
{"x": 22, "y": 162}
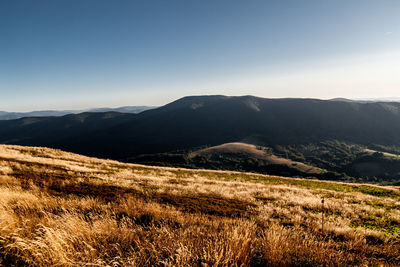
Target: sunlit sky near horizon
{"x": 71, "y": 54}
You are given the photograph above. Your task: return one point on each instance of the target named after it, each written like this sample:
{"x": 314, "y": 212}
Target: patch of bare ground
{"x": 256, "y": 152}
{"x": 57, "y": 208}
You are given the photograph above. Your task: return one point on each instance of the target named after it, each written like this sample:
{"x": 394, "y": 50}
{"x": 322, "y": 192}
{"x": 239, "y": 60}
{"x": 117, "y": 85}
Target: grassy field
{"x": 59, "y": 208}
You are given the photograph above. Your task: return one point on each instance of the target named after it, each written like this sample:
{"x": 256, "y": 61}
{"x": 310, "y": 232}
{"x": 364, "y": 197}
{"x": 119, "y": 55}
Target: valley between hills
{"x": 309, "y": 138}
{"x": 63, "y": 209}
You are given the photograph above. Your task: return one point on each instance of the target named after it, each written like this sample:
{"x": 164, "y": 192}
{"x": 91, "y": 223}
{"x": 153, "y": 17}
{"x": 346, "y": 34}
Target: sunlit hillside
{"x": 59, "y": 208}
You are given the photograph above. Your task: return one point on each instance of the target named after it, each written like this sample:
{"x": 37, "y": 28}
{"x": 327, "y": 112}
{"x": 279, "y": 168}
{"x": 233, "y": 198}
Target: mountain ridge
{"x": 197, "y": 121}
{"x": 4, "y": 115}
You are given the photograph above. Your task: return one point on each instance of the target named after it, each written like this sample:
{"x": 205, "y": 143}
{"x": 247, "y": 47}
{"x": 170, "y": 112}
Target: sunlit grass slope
{"x": 59, "y": 208}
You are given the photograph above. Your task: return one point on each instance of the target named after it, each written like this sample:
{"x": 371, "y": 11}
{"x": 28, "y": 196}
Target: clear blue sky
{"x": 63, "y": 54}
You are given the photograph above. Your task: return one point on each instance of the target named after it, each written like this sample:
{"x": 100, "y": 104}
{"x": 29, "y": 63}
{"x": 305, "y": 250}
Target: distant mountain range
{"x": 372, "y": 100}
{"x": 57, "y": 113}
{"x": 342, "y": 138}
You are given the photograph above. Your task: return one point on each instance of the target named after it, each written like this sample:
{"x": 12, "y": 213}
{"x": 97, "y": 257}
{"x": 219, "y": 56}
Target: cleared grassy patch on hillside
{"x": 58, "y": 208}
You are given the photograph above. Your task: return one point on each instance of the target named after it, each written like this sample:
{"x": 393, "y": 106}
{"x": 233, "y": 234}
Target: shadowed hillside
{"x": 190, "y": 123}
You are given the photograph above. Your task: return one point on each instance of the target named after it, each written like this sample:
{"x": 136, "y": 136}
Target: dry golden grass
{"x": 58, "y": 208}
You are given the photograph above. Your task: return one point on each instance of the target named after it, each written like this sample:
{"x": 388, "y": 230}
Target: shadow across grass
{"x": 62, "y": 183}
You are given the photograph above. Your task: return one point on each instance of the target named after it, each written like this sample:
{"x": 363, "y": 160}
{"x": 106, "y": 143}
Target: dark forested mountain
{"x": 297, "y": 129}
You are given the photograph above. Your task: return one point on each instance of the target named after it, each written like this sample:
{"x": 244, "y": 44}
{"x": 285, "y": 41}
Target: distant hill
{"x": 57, "y": 113}
{"x": 254, "y": 152}
{"x": 342, "y": 99}
{"x": 385, "y": 100}
{"x": 331, "y": 135}
{"x": 125, "y": 109}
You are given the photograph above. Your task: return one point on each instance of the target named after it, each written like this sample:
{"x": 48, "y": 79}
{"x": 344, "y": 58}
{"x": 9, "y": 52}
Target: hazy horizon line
{"x": 86, "y": 109}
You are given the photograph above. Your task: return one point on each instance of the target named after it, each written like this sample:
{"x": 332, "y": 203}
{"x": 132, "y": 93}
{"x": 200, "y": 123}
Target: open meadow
{"x": 63, "y": 209}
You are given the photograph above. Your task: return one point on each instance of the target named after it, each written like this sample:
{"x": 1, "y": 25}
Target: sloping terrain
{"x": 251, "y": 151}
{"x": 328, "y": 160}
{"x": 211, "y": 120}
{"x": 59, "y": 208}
{"x": 288, "y": 126}
{"x": 58, "y": 113}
